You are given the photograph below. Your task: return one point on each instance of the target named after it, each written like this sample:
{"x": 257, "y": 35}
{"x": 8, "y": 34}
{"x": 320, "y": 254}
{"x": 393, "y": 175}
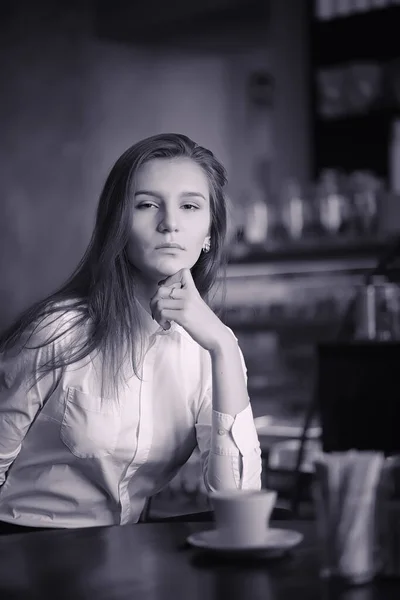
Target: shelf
{"x": 315, "y": 250}
{"x": 374, "y": 118}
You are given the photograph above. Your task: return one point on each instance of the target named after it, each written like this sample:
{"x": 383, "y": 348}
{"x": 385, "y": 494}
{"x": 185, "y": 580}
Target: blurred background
{"x": 83, "y": 80}
{"x": 296, "y": 97}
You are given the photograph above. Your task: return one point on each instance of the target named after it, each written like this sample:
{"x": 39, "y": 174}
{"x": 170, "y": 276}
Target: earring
{"x": 206, "y": 246}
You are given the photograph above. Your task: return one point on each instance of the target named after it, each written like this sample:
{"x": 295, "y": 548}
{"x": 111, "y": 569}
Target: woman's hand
{"x": 188, "y": 309}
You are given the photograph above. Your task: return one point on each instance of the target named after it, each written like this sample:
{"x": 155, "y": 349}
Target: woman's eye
{"x": 192, "y": 207}
{"x": 145, "y": 204}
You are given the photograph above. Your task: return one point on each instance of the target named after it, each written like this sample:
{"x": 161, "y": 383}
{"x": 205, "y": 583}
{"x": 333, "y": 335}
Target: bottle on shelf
{"x": 293, "y": 209}
{"x": 256, "y": 219}
{"x": 333, "y": 205}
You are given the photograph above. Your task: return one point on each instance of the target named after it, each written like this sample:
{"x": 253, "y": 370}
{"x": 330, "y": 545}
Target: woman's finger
{"x": 169, "y": 304}
{"x": 164, "y": 306}
{"x": 164, "y": 293}
{"x": 176, "y": 292}
{"x": 167, "y": 315}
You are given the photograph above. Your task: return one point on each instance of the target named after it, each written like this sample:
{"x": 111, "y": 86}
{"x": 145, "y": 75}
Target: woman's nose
{"x": 169, "y": 221}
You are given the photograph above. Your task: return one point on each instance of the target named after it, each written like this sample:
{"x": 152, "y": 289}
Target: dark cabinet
{"x": 355, "y": 80}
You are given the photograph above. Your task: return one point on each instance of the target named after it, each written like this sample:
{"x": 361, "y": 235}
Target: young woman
{"x": 108, "y": 385}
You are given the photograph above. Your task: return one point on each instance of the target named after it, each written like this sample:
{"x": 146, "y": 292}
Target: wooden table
{"x": 152, "y": 561}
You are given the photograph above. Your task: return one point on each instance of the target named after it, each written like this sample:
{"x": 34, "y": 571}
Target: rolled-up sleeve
{"x": 229, "y": 446}
{"x": 229, "y": 449}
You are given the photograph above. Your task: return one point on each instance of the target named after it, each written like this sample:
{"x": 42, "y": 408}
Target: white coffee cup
{"x": 242, "y": 516}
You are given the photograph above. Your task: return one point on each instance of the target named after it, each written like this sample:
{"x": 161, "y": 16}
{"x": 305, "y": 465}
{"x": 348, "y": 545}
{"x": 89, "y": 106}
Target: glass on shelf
{"x": 334, "y": 206}
{"x": 330, "y": 92}
{"x": 365, "y": 191}
{"x": 299, "y": 212}
{"x": 363, "y": 86}
{"x": 294, "y": 209}
{"x": 256, "y": 224}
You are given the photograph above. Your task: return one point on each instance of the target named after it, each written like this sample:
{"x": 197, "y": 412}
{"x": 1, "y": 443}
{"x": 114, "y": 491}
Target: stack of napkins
{"x": 347, "y": 492}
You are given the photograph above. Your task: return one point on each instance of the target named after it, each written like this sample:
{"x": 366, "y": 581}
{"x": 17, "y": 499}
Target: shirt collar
{"x": 152, "y": 326}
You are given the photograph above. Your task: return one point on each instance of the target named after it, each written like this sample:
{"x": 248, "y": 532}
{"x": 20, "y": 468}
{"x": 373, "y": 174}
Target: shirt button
{"x": 221, "y": 432}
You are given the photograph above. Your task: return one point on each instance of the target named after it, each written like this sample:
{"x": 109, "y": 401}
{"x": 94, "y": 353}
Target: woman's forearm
{"x": 229, "y": 387}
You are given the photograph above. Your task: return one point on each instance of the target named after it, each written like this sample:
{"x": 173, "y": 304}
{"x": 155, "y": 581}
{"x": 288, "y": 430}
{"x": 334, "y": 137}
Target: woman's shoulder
{"x": 60, "y": 322}
{"x": 57, "y": 327}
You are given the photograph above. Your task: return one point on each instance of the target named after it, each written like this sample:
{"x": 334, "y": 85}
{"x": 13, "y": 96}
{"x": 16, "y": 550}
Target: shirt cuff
{"x": 231, "y": 435}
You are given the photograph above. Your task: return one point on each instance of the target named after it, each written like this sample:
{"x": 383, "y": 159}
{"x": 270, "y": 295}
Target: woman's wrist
{"x": 224, "y": 342}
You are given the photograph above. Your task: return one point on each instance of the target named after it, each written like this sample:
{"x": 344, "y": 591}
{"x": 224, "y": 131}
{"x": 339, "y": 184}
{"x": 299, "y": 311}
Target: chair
{"x": 287, "y": 464}
{"x": 292, "y": 482}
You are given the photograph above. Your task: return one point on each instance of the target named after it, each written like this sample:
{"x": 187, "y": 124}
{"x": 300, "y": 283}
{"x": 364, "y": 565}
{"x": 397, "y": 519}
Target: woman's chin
{"x": 170, "y": 267}
{"x": 163, "y": 273}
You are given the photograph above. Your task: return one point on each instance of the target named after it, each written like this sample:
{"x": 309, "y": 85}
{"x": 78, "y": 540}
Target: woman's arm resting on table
{"x": 226, "y": 434}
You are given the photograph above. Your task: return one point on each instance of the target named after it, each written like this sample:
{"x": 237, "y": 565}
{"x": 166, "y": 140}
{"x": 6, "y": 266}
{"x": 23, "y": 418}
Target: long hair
{"x": 101, "y": 291}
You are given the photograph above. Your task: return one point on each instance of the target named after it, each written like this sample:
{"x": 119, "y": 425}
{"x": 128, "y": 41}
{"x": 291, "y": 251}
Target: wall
{"x": 73, "y": 103}
{"x": 42, "y": 224}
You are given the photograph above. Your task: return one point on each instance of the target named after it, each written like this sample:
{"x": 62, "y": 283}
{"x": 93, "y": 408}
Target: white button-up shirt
{"x": 72, "y": 458}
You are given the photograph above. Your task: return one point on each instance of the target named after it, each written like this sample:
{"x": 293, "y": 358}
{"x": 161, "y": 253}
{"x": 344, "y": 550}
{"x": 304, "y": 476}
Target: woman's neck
{"x": 144, "y": 292}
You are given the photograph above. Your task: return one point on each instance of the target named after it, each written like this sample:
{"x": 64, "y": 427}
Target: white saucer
{"x": 277, "y": 542}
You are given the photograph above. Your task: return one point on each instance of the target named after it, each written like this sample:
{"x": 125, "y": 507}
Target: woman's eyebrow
{"x": 160, "y": 196}
{"x": 192, "y": 195}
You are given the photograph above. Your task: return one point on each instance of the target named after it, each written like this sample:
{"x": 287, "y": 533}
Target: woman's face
{"x": 171, "y": 204}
